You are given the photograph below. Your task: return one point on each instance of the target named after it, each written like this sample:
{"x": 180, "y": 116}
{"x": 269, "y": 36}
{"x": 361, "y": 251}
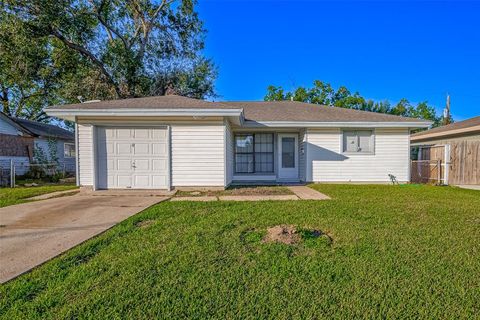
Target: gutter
{"x": 145, "y": 112}
{"x": 336, "y": 124}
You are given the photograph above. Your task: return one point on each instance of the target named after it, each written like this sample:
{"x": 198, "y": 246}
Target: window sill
{"x": 359, "y": 153}
{"x": 254, "y": 174}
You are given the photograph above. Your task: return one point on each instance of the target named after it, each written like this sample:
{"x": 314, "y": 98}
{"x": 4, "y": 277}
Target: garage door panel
{"x": 141, "y": 148}
{"x": 159, "y": 148}
{"x": 123, "y": 165}
{"x": 159, "y": 181}
{"x": 160, "y": 134}
{"x": 132, "y": 158}
{"x": 124, "y": 181}
{"x": 142, "y": 133}
{"x": 141, "y": 181}
{"x": 159, "y": 164}
{"x": 123, "y": 133}
{"x": 142, "y": 165}
{"x": 124, "y": 148}
{"x": 110, "y": 147}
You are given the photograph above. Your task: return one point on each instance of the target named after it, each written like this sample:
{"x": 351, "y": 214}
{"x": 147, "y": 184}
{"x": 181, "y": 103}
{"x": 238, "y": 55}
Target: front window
{"x": 358, "y": 141}
{"x": 254, "y": 153}
{"x": 69, "y": 150}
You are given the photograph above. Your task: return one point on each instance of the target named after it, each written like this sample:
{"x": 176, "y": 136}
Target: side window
{"x": 358, "y": 141}
{"x": 69, "y": 150}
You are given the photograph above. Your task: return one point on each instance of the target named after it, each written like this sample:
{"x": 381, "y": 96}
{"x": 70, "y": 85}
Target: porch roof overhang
{"x": 236, "y": 116}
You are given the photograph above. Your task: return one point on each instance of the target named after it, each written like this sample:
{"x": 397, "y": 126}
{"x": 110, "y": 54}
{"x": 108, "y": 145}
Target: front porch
{"x": 267, "y": 157}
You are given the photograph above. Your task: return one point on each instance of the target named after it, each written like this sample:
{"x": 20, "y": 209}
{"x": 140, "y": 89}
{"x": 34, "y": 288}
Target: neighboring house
{"x": 457, "y": 146}
{"x": 172, "y": 141}
{"x": 23, "y": 141}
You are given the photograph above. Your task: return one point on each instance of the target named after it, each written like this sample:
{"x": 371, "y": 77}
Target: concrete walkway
{"x": 300, "y": 193}
{"x": 54, "y": 195}
{"x": 32, "y": 233}
{"x": 469, "y": 186}
{"x": 306, "y": 193}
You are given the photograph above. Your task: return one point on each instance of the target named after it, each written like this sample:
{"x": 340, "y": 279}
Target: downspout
{"x": 77, "y": 155}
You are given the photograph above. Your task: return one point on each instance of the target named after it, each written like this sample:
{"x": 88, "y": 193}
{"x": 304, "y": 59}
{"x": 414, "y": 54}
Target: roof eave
{"x": 336, "y": 124}
{"x": 236, "y": 115}
{"x": 426, "y": 135}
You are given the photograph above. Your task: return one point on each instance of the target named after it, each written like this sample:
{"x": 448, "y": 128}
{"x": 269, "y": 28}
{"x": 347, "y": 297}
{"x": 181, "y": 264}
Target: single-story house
{"x": 173, "y": 141}
{"x": 456, "y": 146}
{"x": 23, "y": 141}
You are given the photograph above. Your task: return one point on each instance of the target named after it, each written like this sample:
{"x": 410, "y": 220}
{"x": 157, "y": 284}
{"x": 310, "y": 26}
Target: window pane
{"x": 263, "y": 162}
{"x": 365, "y": 141}
{"x": 69, "y": 150}
{"x": 244, "y": 143}
{"x": 288, "y": 152}
{"x": 244, "y": 163}
{"x": 264, "y": 142}
{"x": 350, "y": 141}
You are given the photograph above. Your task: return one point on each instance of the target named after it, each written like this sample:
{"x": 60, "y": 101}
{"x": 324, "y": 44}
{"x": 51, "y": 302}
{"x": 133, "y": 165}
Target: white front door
{"x": 288, "y": 156}
{"x": 135, "y": 158}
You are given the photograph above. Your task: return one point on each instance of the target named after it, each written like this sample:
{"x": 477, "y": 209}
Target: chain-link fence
{"x": 13, "y": 173}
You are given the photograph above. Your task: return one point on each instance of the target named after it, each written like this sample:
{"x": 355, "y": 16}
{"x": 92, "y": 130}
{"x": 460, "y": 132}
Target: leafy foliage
{"x": 57, "y": 51}
{"x": 323, "y": 93}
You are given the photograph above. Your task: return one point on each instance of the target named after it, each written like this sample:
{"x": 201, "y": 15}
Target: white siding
{"x": 7, "y": 128}
{"x": 326, "y": 162}
{"x": 85, "y": 154}
{"x": 229, "y": 153}
{"x": 198, "y": 154}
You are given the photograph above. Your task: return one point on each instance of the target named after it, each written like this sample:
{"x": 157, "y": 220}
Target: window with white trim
{"x": 358, "y": 141}
{"x": 69, "y": 150}
{"x": 254, "y": 153}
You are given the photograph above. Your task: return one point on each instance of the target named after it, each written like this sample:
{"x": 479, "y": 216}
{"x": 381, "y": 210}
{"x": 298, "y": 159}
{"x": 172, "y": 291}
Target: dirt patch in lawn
{"x": 238, "y": 191}
{"x": 144, "y": 223}
{"x": 289, "y": 234}
{"x": 282, "y": 233}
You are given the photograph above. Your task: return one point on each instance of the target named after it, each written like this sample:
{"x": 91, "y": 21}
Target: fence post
{"x": 439, "y": 171}
{"x": 12, "y": 174}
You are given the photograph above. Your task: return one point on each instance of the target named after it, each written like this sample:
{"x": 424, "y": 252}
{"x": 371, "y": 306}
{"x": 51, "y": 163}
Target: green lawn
{"x": 397, "y": 252}
{"x": 10, "y": 196}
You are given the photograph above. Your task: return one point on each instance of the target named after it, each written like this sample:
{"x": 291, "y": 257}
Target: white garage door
{"x": 134, "y": 158}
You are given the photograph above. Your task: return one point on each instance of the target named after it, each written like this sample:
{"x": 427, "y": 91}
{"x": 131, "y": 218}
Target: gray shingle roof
{"x": 44, "y": 129}
{"x": 253, "y": 110}
{"x": 300, "y": 111}
{"x": 472, "y": 122}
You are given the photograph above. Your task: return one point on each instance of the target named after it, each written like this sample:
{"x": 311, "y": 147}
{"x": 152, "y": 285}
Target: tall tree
{"x": 323, "y": 93}
{"x": 114, "y": 48}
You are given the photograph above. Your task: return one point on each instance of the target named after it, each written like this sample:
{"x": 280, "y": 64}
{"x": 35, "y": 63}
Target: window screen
{"x": 254, "y": 153}
{"x": 69, "y": 150}
{"x": 360, "y": 141}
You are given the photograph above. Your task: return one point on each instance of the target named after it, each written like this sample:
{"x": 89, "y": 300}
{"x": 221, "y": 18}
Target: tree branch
{"x": 109, "y": 28}
{"x": 84, "y": 52}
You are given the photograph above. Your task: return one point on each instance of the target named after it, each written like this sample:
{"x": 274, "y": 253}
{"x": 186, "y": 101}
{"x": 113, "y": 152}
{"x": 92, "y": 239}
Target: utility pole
{"x": 446, "y": 112}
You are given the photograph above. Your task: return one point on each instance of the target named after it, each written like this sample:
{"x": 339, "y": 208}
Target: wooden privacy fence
{"x": 464, "y": 166}
{"x": 427, "y": 171}
{"x": 455, "y": 163}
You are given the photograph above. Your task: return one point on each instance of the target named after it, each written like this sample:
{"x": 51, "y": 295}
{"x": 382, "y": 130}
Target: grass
{"x": 237, "y": 191}
{"x": 11, "y": 196}
{"x": 393, "y": 252}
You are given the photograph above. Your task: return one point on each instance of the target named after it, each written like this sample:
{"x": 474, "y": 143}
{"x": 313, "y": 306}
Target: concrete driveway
{"x": 32, "y": 233}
